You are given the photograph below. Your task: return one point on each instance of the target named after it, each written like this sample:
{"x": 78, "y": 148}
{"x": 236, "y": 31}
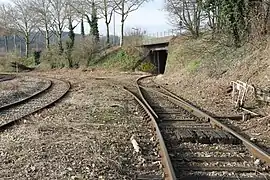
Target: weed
{"x": 147, "y": 67}
{"x": 193, "y": 66}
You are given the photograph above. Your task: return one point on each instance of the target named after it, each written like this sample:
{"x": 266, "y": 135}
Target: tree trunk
{"x": 70, "y": 43}
{"x": 82, "y": 28}
{"x": 89, "y": 22}
{"x": 122, "y": 33}
{"x": 14, "y": 43}
{"x": 60, "y": 43}
{"x": 20, "y": 48}
{"x": 6, "y": 43}
{"x": 122, "y": 23}
{"x": 27, "y": 45}
{"x": 47, "y": 37}
{"x": 107, "y": 33}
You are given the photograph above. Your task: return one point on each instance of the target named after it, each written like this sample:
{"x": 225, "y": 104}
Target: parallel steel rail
{"x": 166, "y": 161}
{"x": 167, "y": 165}
{"x": 255, "y": 150}
{"x": 36, "y": 95}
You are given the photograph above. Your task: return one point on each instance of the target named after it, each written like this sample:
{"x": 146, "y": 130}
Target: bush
{"x": 134, "y": 38}
{"x": 84, "y": 51}
{"x": 50, "y": 59}
{"x": 36, "y": 55}
{"x": 147, "y": 67}
{"x": 5, "y": 62}
{"x": 29, "y": 62}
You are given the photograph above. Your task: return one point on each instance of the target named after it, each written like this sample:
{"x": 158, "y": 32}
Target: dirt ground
{"x": 87, "y": 135}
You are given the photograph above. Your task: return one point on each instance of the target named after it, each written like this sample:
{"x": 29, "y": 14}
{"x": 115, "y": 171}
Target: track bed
{"x": 197, "y": 149}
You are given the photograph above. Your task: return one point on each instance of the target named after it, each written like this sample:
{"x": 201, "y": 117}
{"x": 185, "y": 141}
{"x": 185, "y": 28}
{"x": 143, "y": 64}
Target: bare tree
{"x": 186, "y": 14}
{"x": 124, "y": 8}
{"x": 22, "y": 20}
{"x": 83, "y": 7}
{"x": 42, "y": 9}
{"x": 106, "y": 9}
{"x": 59, "y": 13}
{"x": 4, "y": 25}
{"x": 212, "y": 9}
{"x": 72, "y": 16}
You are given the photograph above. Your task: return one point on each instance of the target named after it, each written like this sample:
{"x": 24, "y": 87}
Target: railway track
{"x": 194, "y": 145}
{"x": 6, "y": 77}
{"x": 53, "y": 91}
{"x": 30, "y": 89}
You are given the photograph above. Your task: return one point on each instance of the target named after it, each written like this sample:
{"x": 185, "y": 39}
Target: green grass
{"x": 122, "y": 60}
{"x": 193, "y": 66}
{"x": 204, "y": 55}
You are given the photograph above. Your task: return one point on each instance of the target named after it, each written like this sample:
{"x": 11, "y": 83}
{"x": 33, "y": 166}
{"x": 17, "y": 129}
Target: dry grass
{"x": 5, "y": 61}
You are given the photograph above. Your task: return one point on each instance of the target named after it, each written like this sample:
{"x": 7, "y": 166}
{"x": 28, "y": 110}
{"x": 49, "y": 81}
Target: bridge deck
{"x": 153, "y": 41}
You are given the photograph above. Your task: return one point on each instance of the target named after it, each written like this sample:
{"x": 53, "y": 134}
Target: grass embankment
{"x": 124, "y": 59}
{"x": 120, "y": 59}
{"x": 203, "y": 68}
{"x": 214, "y": 59}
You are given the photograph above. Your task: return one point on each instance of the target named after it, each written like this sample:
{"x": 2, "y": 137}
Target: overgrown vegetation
{"x": 212, "y": 58}
{"x": 147, "y": 67}
{"x": 237, "y": 21}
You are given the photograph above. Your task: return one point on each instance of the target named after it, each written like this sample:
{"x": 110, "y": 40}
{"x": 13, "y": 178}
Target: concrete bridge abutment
{"x": 158, "y": 52}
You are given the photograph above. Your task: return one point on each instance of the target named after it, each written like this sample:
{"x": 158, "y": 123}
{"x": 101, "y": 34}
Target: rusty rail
{"x": 167, "y": 165}
{"x": 6, "y": 77}
{"x": 65, "y": 91}
{"x": 28, "y": 97}
{"x": 255, "y": 150}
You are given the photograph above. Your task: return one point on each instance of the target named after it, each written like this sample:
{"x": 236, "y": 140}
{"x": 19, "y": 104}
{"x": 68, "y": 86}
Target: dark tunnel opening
{"x": 159, "y": 59}
{"x": 162, "y": 61}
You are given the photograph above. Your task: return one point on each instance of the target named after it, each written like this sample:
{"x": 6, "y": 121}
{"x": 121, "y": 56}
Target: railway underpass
{"x": 158, "y": 52}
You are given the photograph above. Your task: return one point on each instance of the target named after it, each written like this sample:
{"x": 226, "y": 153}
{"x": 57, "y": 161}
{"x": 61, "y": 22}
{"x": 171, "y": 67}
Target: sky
{"x": 149, "y": 17}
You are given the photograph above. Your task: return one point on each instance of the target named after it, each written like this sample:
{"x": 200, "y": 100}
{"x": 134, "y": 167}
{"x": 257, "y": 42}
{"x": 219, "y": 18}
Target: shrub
{"x": 50, "y": 59}
{"x": 84, "y": 51}
{"x": 147, "y": 67}
{"x": 5, "y": 62}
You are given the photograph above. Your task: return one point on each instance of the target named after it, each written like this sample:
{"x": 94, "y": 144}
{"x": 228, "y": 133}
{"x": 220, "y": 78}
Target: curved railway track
{"x": 6, "y": 77}
{"x": 53, "y": 91}
{"x": 194, "y": 145}
{"x": 21, "y": 97}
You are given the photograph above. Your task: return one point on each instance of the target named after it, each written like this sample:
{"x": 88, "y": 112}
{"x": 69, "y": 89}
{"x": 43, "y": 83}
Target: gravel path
{"x": 85, "y": 136}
